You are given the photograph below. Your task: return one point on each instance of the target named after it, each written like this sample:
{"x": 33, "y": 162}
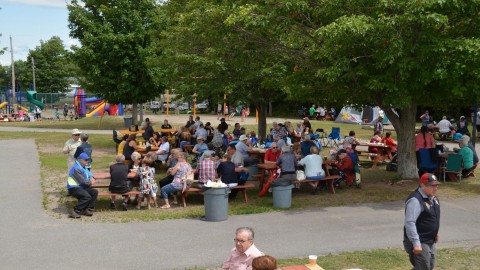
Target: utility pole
{"x": 33, "y": 71}
{"x": 13, "y": 75}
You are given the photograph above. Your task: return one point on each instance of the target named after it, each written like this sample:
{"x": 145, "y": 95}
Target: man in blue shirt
{"x": 78, "y": 184}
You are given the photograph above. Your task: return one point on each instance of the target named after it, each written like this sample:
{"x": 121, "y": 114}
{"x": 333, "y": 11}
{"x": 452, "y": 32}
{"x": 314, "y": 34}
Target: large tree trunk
{"x": 262, "y": 120}
{"x": 135, "y": 113}
{"x": 404, "y": 125}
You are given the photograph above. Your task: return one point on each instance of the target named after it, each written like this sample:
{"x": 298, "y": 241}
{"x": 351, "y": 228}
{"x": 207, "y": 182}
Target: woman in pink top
{"x": 424, "y": 139}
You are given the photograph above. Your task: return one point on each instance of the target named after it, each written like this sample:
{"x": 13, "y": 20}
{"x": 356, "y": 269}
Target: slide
{"x": 98, "y": 110}
{"x": 3, "y": 104}
{"x": 30, "y": 98}
{"x": 21, "y": 107}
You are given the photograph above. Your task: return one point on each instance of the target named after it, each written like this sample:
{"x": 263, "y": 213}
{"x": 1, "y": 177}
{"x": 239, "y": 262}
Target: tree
{"x": 394, "y": 54}
{"x": 115, "y": 38}
{"x": 202, "y": 52}
{"x": 53, "y": 67}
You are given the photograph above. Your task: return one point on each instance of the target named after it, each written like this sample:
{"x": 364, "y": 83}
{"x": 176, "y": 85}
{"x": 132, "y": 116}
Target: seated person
{"x": 155, "y": 140}
{"x": 424, "y": 139}
{"x": 148, "y": 186}
{"x": 346, "y": 167}
{"x": 391, "y": 143}
{"x": 272, "y": 154}
{"x": 179, "y": 172}
{"x": 264, "y": 262}
{"x": 78, "y": 184}
{"x": 184, "y": 137}
{"x": 288, "y": 164}
{"x": 350, "y": 141}
{"x": 171, "y": 162}
{"x": 312, "y": 165}
{"x": 381, "y": 155}
{"x": 200, "y": 147}
{"x": 306, "y": 145}
{"x": 467, "y": 158}
{"x": 444, "y": 128}
{"x": 244, "y": 252}
{"x": 148, "y": 133}
{"x": 200, "y": 132}
{"x": 163, "y": 150}
{"x": 466, "y": 141}
{"x": 206, "y": 169}
{"x": 119, "y": 181}
{"x": 229, "y": 173}
{"x": 130, "y": 147}
{"x": 166, "y": 125}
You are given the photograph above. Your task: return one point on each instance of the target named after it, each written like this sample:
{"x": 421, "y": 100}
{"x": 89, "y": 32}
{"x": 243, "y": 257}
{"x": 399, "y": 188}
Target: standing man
{"x": 378, "y": 124}
{"x": 86, "y": 148}
{"x": 422, "y": 222}
{"x": 244, "y": 252}
{"x": 70, "y": 147}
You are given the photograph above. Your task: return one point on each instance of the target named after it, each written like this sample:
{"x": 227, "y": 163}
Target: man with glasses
{"x": 272, "y": 154}
{"x": 244, "y": 252}
{"x": 70, "y": 147}
{"x": 422, "y": 222}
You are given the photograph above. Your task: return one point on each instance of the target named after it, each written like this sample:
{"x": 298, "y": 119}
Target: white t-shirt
{"x": 313, "y": 165}
{"x": 163, "y": 147}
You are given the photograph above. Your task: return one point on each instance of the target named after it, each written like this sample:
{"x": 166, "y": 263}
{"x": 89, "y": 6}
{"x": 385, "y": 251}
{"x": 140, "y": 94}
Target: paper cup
{"x": 312, "y": 260}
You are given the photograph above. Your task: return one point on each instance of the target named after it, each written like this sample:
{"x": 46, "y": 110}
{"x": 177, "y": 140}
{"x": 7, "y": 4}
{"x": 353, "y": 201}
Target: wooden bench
{"x": 329, "y": 179}
{"x": 200, "y": 191}
{"x": 109, "y": 194}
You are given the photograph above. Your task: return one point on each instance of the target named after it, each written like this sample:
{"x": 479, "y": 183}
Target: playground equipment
{"x": 31, "y": 98}
{"x": 101, "y": 106}
{"x": 30, "y": 95}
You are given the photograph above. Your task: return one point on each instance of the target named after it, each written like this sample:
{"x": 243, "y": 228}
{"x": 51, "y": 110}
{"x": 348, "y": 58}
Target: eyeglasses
{"x": 76, "y": 134}
{"x": 274, "y": 147}
{"x": 235, "y": 240}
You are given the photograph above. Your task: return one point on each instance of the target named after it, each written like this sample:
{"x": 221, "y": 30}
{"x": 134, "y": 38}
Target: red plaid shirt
{"x": 206, "y": 170}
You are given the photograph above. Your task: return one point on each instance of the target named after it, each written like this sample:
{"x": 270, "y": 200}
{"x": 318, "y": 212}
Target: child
{"x": 71, "y": 116}
{"x": 57, "y": 114}
{"x": 148, "y": 186}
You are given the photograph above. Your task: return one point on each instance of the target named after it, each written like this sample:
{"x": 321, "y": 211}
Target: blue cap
{"x": 84, "y": 156}
{"x": 457, "y": 137}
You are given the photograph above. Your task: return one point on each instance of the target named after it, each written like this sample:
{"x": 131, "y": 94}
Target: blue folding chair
{"x": 425, "y": 162}
{"x": 334, "y": 137}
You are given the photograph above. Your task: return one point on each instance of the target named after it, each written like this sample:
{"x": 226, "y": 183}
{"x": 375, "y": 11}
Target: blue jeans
{"x": 315, "y": 177}
{"x": 167, "y": 190}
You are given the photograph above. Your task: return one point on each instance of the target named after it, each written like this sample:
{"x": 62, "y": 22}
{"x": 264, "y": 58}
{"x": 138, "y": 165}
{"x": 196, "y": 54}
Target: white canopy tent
{"x": 365, "y": 115}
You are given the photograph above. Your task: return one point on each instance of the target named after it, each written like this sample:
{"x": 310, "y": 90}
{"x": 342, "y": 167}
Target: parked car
{"x": 203, "y": 106}
{"x": 183, "y": 106}
{"x": 171, "y": 105}
{"x": 154, "y": 106}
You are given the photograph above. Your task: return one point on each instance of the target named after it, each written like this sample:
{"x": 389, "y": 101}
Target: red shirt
{"x": 270, "y": 156}
{"x": 390, "y": 142}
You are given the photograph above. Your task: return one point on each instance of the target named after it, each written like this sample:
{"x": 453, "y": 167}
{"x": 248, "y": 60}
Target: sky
{"x": 28, "y": 22}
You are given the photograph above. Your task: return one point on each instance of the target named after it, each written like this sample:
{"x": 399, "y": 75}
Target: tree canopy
{"x": 115, "y": 39}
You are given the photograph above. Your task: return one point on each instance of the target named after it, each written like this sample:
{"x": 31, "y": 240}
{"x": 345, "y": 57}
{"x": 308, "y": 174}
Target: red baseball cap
{"x": 429, "y": 179}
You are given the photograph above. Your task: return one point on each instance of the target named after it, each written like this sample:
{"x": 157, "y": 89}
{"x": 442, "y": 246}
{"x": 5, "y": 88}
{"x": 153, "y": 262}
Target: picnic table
{"x": 128, "y": 132}
{"x": 272, "y": 166}
{"x": 143, "y": 149}
{"x": 106, "y": 175}
{"x": 258, "y": 153}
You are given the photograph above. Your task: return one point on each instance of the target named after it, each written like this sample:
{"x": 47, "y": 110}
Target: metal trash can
{"x": 128, "y": 121}
{"x": 216, "y": 203}
{"x": 253, "y": 169}
{"x": 282, "y": 196}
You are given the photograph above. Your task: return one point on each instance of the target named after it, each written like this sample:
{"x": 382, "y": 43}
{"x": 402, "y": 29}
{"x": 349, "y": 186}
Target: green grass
{"x": 376, "y": 186}
{"x": 392, "y": 259}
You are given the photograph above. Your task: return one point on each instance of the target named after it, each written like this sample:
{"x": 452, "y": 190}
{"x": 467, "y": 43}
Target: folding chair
{"x": 425, "y": 162}
{"x": 454, "y": 165}
{"x": 334, "y": 137}
{"x": 322, "y": 136}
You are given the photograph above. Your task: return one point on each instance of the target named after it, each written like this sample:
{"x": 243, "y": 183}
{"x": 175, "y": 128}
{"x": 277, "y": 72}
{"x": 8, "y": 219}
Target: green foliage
{"x": 115, "y": 38}
{"x": 54, "y": 70}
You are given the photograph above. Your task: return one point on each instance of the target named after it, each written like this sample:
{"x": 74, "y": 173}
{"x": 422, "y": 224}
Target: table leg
{"x": 262, "y": 179}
